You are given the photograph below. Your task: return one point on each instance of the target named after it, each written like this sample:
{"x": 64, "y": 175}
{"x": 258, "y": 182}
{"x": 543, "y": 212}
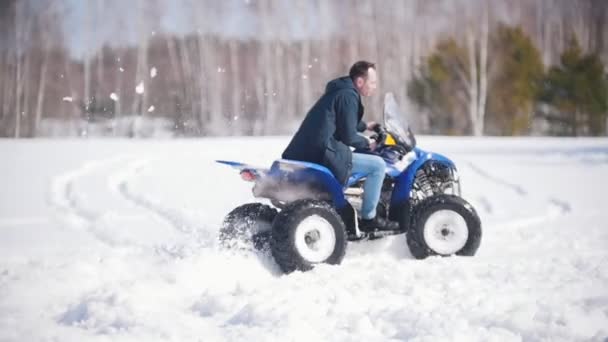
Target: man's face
{"x": 367, "y": 85}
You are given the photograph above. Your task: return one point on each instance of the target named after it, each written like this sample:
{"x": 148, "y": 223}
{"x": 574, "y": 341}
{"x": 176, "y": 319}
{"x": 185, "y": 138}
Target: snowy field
{"x": 114, "y": 240}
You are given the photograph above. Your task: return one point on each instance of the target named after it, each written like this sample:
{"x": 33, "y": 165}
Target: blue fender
{"x": 300, "y": 172}
{"x": 405, "y": 181}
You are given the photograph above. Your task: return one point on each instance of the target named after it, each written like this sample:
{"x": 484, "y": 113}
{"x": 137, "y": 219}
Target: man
{"x": 330, "y": 129}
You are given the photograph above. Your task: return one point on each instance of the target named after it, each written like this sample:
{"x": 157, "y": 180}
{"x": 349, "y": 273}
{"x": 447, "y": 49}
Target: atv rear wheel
{"x": 247, "y": 226}
{"x": 444, "y": 225}
{"x": 306, "y": 233}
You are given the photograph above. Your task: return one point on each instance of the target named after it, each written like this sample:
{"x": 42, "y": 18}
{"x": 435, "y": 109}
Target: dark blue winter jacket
{"x": 329, "y": 128}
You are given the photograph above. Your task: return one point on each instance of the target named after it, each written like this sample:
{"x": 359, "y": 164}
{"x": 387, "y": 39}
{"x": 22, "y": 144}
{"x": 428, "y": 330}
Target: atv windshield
{"x": 396, "y": 122}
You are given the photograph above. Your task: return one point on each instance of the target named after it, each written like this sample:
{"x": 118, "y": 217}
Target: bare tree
{"x": 141, "y": 73}
{"x": 478, "y": 84}
{"x": 89, "y": 27}
{"x": 48, "y": 31}
{"x": 305, "y": 60}
{"x": 266, "y": 65}
{"x": 22, "y": 31}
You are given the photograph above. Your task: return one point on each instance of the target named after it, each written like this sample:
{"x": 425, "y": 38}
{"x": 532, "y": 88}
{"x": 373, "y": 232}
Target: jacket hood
{"x": 339, "y": 84}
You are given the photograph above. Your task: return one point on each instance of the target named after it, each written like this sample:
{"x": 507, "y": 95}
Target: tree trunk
{"x": 21, "y": 27}
{"x": 236, "y": 84}
{"x": 118, "y": 103}
{"x": 215, "y": 90}
{"x": 17, "y": 133}
{"x": 99, "y": 82}
{"x": 292, "y": 75}
{"x": 266, "y": 64}
{"x": 204, "y": 73}
{"x": 304, "y": 65}
{"x": 188, "y": 80}
{"x": 87, "y": 63}
{"x": 140, "y": 100}
{"x": 41, "y": 91}
{"x": 483, "y": 71}
{"x": 72, "y": 119}
{"x": 202, "y": 79}
{"x": 324, "y": 20}
{"x": 473, "y": 82}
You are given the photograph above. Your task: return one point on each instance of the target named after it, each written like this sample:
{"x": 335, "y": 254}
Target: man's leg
{"x": 374, "y": 167}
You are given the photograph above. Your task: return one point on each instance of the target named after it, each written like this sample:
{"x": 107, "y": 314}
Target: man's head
{"x": 364, "y": 77}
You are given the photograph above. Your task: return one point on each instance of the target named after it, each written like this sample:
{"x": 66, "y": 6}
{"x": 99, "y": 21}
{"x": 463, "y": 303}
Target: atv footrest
{"x": 376, "y": 234}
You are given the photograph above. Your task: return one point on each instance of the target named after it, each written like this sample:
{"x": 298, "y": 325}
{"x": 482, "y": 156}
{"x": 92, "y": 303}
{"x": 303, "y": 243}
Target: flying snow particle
{"x": 114, "y": 97}
{"x": 121, "y": 69}
{"x": 236, "y": 117}
{"x": 140, "y": 88}
{"x": 304, "y": 77}
{"x": 153, "y": 72}
{"x": 309, "y": 66}
{"x": 151, "y": 109}
{"x": 67, "y": 99}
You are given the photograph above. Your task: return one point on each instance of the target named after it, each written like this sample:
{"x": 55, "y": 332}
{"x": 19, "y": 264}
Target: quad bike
{"x": 312, "y": 216}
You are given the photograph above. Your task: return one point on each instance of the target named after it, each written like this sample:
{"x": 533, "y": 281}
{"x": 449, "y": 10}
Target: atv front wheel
{"x": 306, "y": 233}
{"x": 247, "y": 226}
{"x": 444, "y": 225}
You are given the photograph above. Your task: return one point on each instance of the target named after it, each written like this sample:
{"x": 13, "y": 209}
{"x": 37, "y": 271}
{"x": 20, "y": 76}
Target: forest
{"x": 211, "y": 68}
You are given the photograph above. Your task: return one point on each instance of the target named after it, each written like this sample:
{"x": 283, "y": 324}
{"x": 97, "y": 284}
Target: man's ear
{"x": 359, "y": 81}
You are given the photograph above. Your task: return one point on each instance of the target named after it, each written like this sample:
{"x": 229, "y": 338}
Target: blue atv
{"x": 312, "y": 216}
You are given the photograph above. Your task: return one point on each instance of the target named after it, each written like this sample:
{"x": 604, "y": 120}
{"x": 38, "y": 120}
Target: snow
{"x": 114, "y": 97}
{"x": 140, "y": 88}
{"x": 116, "y": 240}
{"x": 67, "y": 99}
{"x": 153, "y": 72}
{"x": 150, "y": 109}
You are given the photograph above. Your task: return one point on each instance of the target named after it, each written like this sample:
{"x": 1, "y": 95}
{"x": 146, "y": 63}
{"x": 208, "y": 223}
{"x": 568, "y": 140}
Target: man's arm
{"x": 361, "y": 126}
{"x": 346, "y": 108}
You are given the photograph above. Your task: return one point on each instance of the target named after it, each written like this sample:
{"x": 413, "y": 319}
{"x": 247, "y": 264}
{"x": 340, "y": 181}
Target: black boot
{"x": 377, "y": 223}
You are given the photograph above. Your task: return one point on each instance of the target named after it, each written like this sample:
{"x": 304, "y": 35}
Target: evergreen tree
{"x": 516, "y": 84}
{"x": 578, "y": 89}
{"x": 515, "y": 73}
{"x": 438, "y": 88}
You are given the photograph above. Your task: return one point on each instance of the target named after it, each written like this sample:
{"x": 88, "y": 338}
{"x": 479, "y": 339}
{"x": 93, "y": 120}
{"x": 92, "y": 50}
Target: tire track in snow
{"x": 76, "y": 204}
{"x": 121, "y": 182}
{"x": 67, "y": 201}
{"x": 515, "y": 187}
{"x": 555, "y": 207}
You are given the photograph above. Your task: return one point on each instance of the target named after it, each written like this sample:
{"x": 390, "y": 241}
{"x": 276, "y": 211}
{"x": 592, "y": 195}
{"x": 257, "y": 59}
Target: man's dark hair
{"x": 360, "y": 69}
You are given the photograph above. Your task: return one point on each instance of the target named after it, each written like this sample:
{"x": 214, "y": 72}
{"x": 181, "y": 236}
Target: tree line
{"x": 500, "y": 86}
{"x": 458, "y": 67}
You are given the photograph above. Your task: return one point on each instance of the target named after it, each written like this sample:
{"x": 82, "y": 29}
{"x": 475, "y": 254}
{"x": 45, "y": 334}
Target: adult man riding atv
{"x": 331, "y": 128}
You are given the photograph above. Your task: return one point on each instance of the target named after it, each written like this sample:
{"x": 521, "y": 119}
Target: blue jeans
{"x": 374, "y": 167}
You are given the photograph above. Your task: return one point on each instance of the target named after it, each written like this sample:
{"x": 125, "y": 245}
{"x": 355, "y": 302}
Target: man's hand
{"x": 372, "y": 125}
{"x": 372, "y": 143}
